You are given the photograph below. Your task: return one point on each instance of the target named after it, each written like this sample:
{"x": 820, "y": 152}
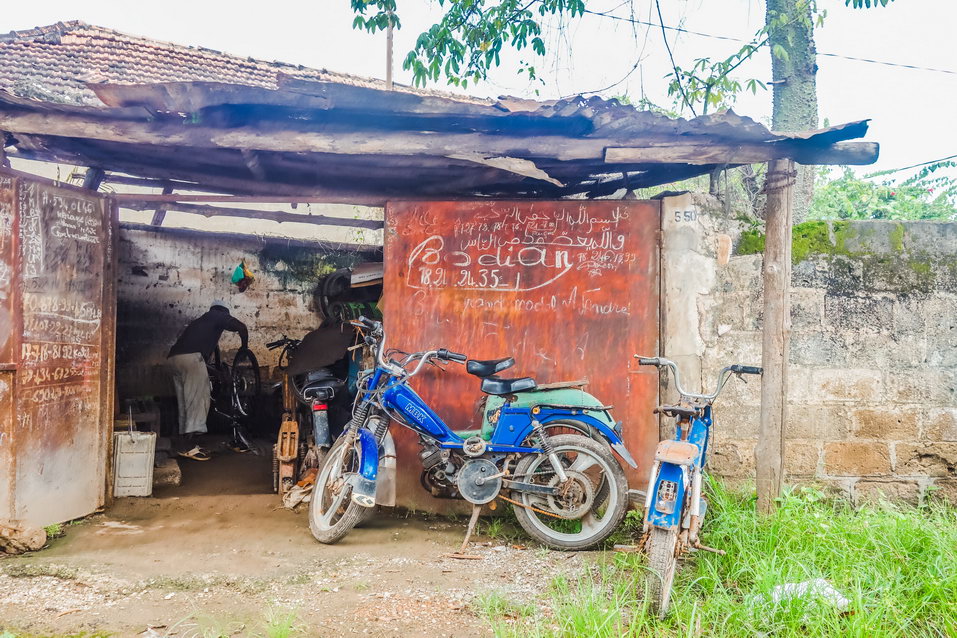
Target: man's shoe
{"x": 197, "y": 454}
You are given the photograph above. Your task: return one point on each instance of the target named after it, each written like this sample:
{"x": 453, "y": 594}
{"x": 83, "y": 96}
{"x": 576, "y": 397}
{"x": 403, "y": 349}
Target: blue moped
{"x": 675, "y": 506}
{"x": 549, "y": 451}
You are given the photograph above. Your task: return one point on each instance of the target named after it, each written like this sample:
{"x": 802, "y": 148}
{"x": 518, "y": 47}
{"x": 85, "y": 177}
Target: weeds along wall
{"x": 873, "y": 355}
{"x": 167, "y": 279}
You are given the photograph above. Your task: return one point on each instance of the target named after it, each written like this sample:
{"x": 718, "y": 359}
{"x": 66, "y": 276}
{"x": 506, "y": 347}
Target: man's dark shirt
{"x": 202, "y": 334}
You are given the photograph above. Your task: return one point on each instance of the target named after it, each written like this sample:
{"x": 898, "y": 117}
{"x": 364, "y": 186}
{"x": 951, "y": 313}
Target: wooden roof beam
{"x": 170, "y": 204}
{"x": 83, "y": 126}
{"x": 852, "y": 153}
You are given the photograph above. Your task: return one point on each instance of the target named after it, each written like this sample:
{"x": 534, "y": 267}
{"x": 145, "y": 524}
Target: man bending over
{"x": 187, "y": 362}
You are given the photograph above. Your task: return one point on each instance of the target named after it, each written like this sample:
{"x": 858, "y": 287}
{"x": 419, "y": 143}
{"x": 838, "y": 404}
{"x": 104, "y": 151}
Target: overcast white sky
{"x": 911, "y": 109}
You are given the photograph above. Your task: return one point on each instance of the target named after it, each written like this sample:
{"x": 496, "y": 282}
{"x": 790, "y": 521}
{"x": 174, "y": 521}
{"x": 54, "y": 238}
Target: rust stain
{"x": 570, "y": 289}
{"x": 60, "y": 304}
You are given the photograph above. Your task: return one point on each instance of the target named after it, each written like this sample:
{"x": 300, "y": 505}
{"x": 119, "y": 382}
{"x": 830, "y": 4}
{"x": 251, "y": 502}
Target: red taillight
{"x": 319, "y": 407}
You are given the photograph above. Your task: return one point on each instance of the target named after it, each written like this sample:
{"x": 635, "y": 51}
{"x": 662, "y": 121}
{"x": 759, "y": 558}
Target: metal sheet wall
{"x": 60, "y": 345}
{"x": 570, "y": 289}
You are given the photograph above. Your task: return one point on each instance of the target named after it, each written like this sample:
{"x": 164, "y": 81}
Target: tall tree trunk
{"x": 795, "y": 85}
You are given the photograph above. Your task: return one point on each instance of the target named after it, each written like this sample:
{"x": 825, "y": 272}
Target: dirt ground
{"x": 217, "y": 556}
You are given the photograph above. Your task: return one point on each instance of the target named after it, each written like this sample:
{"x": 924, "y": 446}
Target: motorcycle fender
{"x": 368, "y": 455}
{"x": 364, "y": 481}
{"x": 608, "y": 433}
{"x": 385, "y": 485}
{"x": 659, "y": 517}
{"x": 320, "y": 428}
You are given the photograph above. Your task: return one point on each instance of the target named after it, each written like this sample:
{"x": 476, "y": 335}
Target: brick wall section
{"x": 166, "y": 280}
{"x": 873, "y": 377}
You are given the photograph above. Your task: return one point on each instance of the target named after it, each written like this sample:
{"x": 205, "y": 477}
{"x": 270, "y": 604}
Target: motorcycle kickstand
{"x": 697, "y": 545}
{"x": 476, "y": 510}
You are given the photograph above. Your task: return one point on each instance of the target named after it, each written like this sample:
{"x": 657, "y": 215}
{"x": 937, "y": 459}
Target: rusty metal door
{"x": 570, "y": 289}
{"x": 62, "y": 289}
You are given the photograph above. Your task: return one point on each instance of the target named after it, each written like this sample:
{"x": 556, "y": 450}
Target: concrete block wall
{"x": 165, "y": 280}
{"x": 872, "y": 405}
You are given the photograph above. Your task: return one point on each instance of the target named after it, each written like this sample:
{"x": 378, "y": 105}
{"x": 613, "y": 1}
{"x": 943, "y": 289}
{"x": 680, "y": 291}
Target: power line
{"x": 898, "y": 170}
{"x": 674, "y": 67}
{"x": 730, "y": 39}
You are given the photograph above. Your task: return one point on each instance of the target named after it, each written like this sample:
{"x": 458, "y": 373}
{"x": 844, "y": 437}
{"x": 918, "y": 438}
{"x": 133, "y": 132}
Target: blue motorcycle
{"x": 675, "y": 506}
{"x": 549, "y": 451}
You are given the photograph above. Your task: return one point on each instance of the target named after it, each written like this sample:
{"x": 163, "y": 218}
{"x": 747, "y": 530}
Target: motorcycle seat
{"x": 488, "y": 368}
{"x": 318, "y": 375}
{"x": 497, "y": 386}
{"x": 323, "y": 389}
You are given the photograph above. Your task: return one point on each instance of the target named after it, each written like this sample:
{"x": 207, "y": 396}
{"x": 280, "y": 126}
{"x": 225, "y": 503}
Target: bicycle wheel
{"x": 332, "y": 513}
{"x": 575, "y": 519}
{"x": 662, "y": 564}
{"x": 246, "y": 382}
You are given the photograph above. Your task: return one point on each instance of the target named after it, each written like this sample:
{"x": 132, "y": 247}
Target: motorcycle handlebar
{"x": 740, "y": 369}
{"x": 723, "y": 376}
{"x": 451, "y": 356}
{"x": 365, "y": 322}
{"x": 278, "y": 343}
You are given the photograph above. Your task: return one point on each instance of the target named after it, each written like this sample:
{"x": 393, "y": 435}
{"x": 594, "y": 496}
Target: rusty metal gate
{"x": 570, "y": 289}
{"x": 57, "y": 316}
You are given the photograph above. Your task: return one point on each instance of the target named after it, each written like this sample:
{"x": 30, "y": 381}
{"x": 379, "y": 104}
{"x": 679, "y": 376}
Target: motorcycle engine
{"x": 439, "y": 468}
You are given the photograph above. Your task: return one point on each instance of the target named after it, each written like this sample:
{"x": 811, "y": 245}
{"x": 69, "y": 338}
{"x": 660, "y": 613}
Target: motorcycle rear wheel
{"x": 333, "y": 514}
{"x": 590, "y": 459}
{"x": 662, "y": 564}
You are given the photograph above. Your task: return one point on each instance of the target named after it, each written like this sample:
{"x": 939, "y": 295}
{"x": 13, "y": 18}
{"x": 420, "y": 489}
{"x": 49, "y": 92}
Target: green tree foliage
{"x": 469, "y": 39}
{"x": 866, "y": 4}
{"x": 471, "y": 36}
{"x": 927, "y": 195}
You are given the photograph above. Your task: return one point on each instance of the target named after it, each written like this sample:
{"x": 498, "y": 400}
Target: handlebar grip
{"x": 739, "y": 369}
{"x": 648, "y": 361}
{"x": 451, "y": 356}
{"x": 275, "y": 344}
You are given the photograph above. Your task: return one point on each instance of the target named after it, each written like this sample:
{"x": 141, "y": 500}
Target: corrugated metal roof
{"x": 172, "y": 112}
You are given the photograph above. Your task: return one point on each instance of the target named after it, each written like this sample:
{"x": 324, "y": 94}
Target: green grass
{"x": 896, "y": 565}
{"x": 503, "y": 527}
{"x": 54, "y": 531}
{"x": 282, "y": 624}
{"x": 500, "y": 610}
{"x": 34, "y": 570}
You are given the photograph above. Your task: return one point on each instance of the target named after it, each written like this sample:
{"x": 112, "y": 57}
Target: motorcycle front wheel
{"x": 332, "y": 513}
{"x": 662, "y": 562}
{"x": 591, "y": 505}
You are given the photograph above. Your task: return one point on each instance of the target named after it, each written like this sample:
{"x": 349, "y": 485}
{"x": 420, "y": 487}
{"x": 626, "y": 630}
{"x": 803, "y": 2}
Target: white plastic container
{"x": 133, "y": 456}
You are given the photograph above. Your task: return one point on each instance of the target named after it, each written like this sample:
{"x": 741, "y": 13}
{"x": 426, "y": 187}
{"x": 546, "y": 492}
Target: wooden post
{"x": 769, "y": 453}
{"x": 160, "y": 213}
{"x": 93, "y": 178}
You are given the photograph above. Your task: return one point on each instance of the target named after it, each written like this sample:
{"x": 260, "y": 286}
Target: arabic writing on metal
{"x": 512, "y": 249}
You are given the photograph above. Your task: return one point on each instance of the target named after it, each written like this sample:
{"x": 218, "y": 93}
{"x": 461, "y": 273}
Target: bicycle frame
{"x": 662, "y": 510}
{"x": 678, "y": 469}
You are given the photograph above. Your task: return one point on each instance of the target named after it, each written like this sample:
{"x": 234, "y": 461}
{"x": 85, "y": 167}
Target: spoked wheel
{"x": 246, "y": 382}
{"x": 661, "y": 565}
{"x": 332, "y": 514}
{"x": 589, "y": 506}
{"x": 568, "y": 426}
